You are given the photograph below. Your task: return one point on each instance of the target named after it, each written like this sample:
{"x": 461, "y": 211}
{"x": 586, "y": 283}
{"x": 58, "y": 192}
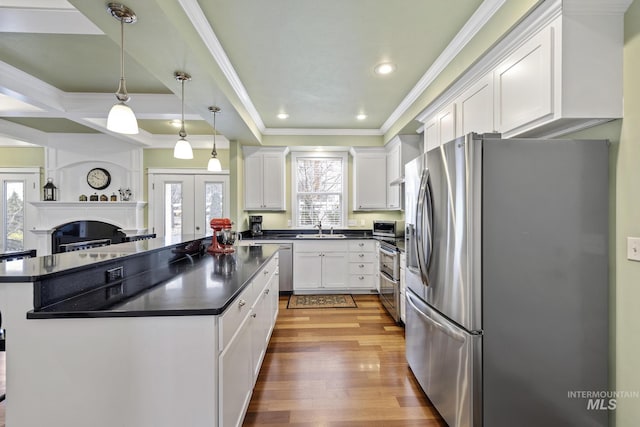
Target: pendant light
{"x": 182, "y": 150}
{"x": 121, "y": 118}
{"x": 214, "y": 163}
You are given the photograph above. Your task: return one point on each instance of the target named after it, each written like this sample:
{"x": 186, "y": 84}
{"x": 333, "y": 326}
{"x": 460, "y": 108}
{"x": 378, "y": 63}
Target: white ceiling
{"x": 59, "y": 64}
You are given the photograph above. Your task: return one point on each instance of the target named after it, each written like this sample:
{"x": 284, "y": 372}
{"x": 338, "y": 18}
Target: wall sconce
{"x": 50, "y": 191}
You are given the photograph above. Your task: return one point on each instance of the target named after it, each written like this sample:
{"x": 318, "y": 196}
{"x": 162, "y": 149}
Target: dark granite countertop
{"x": 206, "y": 287}
{"x": 33, "y": 269}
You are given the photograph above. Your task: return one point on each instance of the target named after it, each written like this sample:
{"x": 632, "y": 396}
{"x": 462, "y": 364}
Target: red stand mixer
{"x": 223, "y": 237}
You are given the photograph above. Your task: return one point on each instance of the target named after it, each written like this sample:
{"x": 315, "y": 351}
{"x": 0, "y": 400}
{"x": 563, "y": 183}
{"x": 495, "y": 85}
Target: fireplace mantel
{"x": 128, "y": 216}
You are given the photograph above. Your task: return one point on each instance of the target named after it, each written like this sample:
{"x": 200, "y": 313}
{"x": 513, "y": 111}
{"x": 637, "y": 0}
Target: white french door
{"x": 18, "y": 187}
{"x": 184, "y": 203}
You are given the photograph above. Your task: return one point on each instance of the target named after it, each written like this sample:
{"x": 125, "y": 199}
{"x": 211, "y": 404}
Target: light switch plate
{"x": 633, "y": 248}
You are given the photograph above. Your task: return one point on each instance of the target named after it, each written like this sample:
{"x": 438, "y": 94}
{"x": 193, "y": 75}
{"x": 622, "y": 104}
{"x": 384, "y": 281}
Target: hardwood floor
{"x": 333, "y": 368}
{"x": 338, "y": 367}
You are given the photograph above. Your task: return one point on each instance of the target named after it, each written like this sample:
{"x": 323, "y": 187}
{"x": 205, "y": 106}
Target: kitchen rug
{"x": 321, "y": 301}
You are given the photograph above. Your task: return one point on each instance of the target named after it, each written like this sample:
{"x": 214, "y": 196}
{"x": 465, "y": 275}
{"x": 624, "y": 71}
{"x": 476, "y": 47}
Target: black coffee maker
{"x": 255, "y": 225}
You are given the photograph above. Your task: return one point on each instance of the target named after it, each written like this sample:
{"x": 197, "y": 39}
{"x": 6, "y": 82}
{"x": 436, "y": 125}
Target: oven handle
{"x": 388, "y": 277}
{"x": 387, "y": 251}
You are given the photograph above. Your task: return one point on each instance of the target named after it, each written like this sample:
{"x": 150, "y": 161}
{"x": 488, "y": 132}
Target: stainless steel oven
{"x": 390, "y": 279}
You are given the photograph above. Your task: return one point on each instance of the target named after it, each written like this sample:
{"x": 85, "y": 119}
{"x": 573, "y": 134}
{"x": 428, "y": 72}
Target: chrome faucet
{"x": 319, "y": 227}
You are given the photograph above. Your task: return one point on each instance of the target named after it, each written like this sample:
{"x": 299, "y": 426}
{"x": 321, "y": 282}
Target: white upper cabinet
{"x": 264, "y": 178}
{"x": 378, "y": 173}
{"x": 440, "y": 128}
{"x": 393, "y": 176}
{"x": 558, "y": 71}
{"x": 400, "y": 150}
{"x": 524, "y": 84}
{"x": 369, "y": 178}
{"x": 475, "y": 108}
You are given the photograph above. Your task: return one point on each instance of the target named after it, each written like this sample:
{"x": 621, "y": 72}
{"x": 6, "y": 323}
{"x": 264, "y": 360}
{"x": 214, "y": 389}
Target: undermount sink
{"x": 320, "y": 236}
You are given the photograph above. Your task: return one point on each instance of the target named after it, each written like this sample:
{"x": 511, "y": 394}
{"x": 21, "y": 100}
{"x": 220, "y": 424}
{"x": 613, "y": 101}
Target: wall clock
{"x": 98, "y": 178}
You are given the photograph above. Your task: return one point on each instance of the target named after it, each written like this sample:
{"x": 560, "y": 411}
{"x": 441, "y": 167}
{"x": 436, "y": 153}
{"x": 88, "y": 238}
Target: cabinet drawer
{"x": 362, "y": 245}
{"x": 235, "y": 314}
{"x": 263, "y": 276}
{"x": 362, "y": 257}
{"x": 362, "y": 268}
{"x": 320, "y": 246}
{"x": 367, "y": 281}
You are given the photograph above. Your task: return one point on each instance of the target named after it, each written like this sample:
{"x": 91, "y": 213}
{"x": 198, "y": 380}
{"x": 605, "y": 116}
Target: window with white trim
{"x": 319, "y": 189}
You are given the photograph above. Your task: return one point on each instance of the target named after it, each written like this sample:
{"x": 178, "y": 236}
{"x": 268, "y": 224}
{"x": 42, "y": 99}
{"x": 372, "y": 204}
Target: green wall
{"x": 627, "y": 223}
{"x": 21, "y": 157}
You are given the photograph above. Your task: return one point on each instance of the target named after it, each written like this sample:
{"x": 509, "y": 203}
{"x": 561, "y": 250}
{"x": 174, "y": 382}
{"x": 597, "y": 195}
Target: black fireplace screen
{"x": 79, "y": 231}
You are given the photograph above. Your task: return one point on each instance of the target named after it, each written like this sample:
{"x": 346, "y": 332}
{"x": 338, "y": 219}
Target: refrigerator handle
{"x": 445, "y": 329}
{"x": 423, "y": 235}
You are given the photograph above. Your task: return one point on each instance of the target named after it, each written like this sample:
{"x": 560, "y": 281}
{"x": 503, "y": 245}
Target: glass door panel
{"x": 185, "y": 203}
{"x": 13, "y": 214}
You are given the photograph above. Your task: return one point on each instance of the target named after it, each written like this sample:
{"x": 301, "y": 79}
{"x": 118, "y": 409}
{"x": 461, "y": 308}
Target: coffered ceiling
{"x": 313, "y": 60}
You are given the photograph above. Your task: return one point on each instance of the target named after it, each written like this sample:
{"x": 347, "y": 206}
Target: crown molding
{"x": 198, "y": 19}
{"x": 321, "y": 132}
{"x": 540, "y": 17}
{"x": 478, "y": 20}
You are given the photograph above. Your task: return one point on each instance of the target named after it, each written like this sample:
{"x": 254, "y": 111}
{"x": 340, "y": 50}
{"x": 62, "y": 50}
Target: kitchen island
{"x": 185, "y": 350}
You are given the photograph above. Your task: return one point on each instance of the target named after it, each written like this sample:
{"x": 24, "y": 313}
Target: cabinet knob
{"x": 266, "y": 292}
{"x": 241, "y": 303}
{"x": 266, "y": 272}
{"x": 361, "y": 244}
{"x": 361, "y": 277}
{"x": 254, "y": 315}
{"x": 361, "y": 255}
{"x": 361, "y": 266}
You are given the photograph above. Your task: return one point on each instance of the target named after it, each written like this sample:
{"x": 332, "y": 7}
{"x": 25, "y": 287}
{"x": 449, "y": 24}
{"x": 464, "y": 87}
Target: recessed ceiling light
{"x": 361, "y": 116}
{"x": 176, "y": 123}
{"x": 283, "y": 116}
{"x": 385, "y": 68}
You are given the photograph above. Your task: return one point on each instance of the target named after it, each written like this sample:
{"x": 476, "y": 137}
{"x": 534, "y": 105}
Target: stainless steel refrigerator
{"x": 507, "y": 280}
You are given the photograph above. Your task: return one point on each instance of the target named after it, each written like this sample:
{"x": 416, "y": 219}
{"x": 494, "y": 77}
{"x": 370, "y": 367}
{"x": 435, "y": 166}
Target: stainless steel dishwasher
{"x": 286, "y": 268}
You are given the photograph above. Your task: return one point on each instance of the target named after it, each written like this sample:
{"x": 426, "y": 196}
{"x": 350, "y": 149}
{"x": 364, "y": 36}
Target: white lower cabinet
{"x": 245, "y": 330}
{"x": 363, "y": 264}
{"x": 262, "y": 320}
{"x": 320, "y": 265}
{"x": 236, "y": 382}
{"x": 336, "y": 265}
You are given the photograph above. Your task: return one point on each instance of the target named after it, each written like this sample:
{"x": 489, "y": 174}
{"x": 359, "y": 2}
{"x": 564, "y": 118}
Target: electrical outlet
{"x": 633, "y": 248}
{"x": 288, "y": 223}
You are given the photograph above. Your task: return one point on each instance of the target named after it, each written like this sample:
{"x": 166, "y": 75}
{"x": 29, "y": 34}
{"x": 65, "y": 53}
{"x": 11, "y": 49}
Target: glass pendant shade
{"x": 214, "y": 165}
{"x": 121, "y": 119}
{"x": 183, "y": 150}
